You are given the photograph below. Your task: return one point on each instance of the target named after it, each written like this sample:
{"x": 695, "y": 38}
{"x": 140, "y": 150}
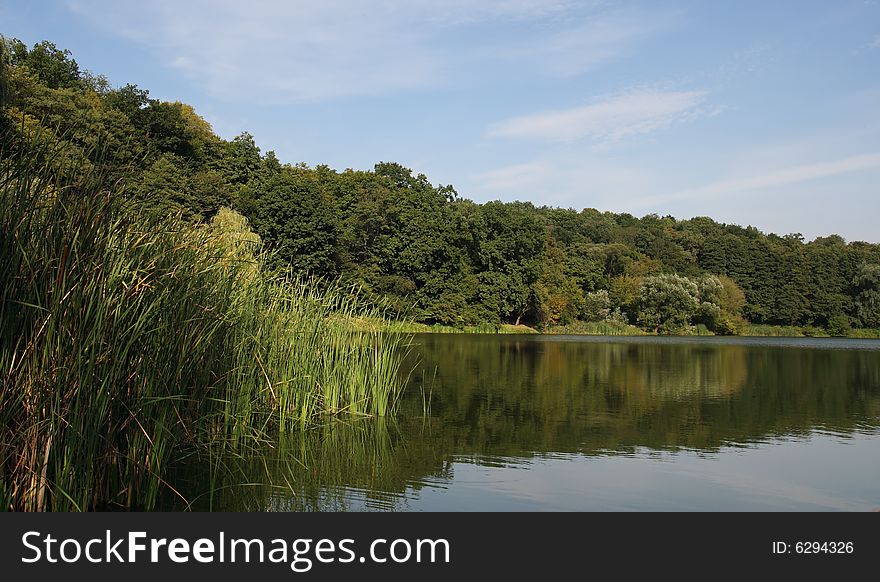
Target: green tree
{"x": 667, "y": 302}
{"x": 585, "y": 264}
{"x": 208, "y": 192}
{"x": 174, "y": 128}
{"x": 867, "y": 286}
{"x": 294, "y": 216}
{"x": 5, "y": 94}
{"x": 5, "y": 60}
{"x": 509, "y": 240}
{"x": 732, "y": 301}
{"x": 839, "y": 325}
{"x": 164, "y": 186}
{"x": 597, "y": 306}
{"x": 54, "y": 67}
{"x": 709, "y": 292}
{"x": 557, "y": 297}
{"x": 240, "y": 162}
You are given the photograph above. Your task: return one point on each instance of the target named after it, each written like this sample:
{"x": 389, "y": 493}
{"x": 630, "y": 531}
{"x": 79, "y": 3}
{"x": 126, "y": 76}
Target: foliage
{"x": 295, "y": 216}
{"x": 597, "y": 306}
{"x": 424, "y": 251}
{"x": 667, "y": 302}
{"x": 839, "y": 325}
{"x": 130, "y": 340}
{"x": 867, "y": 285}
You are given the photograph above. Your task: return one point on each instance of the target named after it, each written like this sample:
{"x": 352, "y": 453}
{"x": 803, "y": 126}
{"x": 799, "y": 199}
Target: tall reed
{"x": 130, "y": 340}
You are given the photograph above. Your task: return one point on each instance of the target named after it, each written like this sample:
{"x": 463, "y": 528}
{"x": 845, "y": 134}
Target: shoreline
{"x": 603, "y": 329}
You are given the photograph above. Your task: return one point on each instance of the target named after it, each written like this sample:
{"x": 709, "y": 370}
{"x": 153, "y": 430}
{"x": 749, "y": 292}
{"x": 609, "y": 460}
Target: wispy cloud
{"x": 280, "y": 52}
{"x": 517, "y": 177}
{"x": 567, "y": 179}
{"x": 275, "y": 52}
{"x": 776, "y": 178}
{"x": 578, "y": 45}
{"x": 632, "y": 113}
{"x": 454, "y": 12}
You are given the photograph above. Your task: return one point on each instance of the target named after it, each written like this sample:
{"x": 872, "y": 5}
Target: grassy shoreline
{"x": 602, "y": 328}
{"x": 130, "y": 341}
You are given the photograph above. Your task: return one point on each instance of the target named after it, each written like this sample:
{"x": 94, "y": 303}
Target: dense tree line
{"x": 421, "y": 248}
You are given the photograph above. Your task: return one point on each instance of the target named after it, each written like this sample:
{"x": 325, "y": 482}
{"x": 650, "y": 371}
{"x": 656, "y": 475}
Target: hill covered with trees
{"x": 433, "y": 255}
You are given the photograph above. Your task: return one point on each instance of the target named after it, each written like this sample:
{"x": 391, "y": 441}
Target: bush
{"x": 839, "y": 325}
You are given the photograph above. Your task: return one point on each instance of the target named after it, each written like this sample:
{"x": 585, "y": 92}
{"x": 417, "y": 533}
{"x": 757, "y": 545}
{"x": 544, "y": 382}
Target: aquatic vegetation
{"x": 130, "y": 340}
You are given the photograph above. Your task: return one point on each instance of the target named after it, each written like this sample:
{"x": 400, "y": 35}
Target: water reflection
{"x": 495, "y": 396}
{"x": 501, "y": 422}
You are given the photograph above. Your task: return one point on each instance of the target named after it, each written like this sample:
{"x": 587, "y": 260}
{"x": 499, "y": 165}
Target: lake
{"x": 571, "y": 423}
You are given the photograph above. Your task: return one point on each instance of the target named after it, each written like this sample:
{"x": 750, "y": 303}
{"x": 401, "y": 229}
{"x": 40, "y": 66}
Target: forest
{"x": 428, "y": 253}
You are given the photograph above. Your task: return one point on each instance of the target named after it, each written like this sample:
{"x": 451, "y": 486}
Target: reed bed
{"x": 611, "y": 328}
{"x": 131, "y": 341}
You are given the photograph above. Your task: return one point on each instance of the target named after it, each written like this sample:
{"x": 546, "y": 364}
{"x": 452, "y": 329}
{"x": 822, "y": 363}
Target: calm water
{"x": 583, "y": 423}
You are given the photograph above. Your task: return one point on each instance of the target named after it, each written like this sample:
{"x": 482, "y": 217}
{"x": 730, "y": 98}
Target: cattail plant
{"x": 130, "y": 341}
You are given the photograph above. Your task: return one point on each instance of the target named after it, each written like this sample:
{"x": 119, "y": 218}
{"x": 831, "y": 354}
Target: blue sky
{"x": 764, "y": 113}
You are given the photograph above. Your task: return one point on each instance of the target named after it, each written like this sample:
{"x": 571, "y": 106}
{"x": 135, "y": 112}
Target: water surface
{"x": 495, "y": 422}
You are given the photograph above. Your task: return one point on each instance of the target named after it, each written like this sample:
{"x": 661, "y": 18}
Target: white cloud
{"x": 275, "y": 52}
{"x": 568, "y": 179}
{"x": 517, "y": 177}
{"x": 776, "y": 178}
{"x": 582, "y": 46}
{"x": 280, "y": 52}
{"x": 453, "y": 12}
{"x": 632, "y": 113}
